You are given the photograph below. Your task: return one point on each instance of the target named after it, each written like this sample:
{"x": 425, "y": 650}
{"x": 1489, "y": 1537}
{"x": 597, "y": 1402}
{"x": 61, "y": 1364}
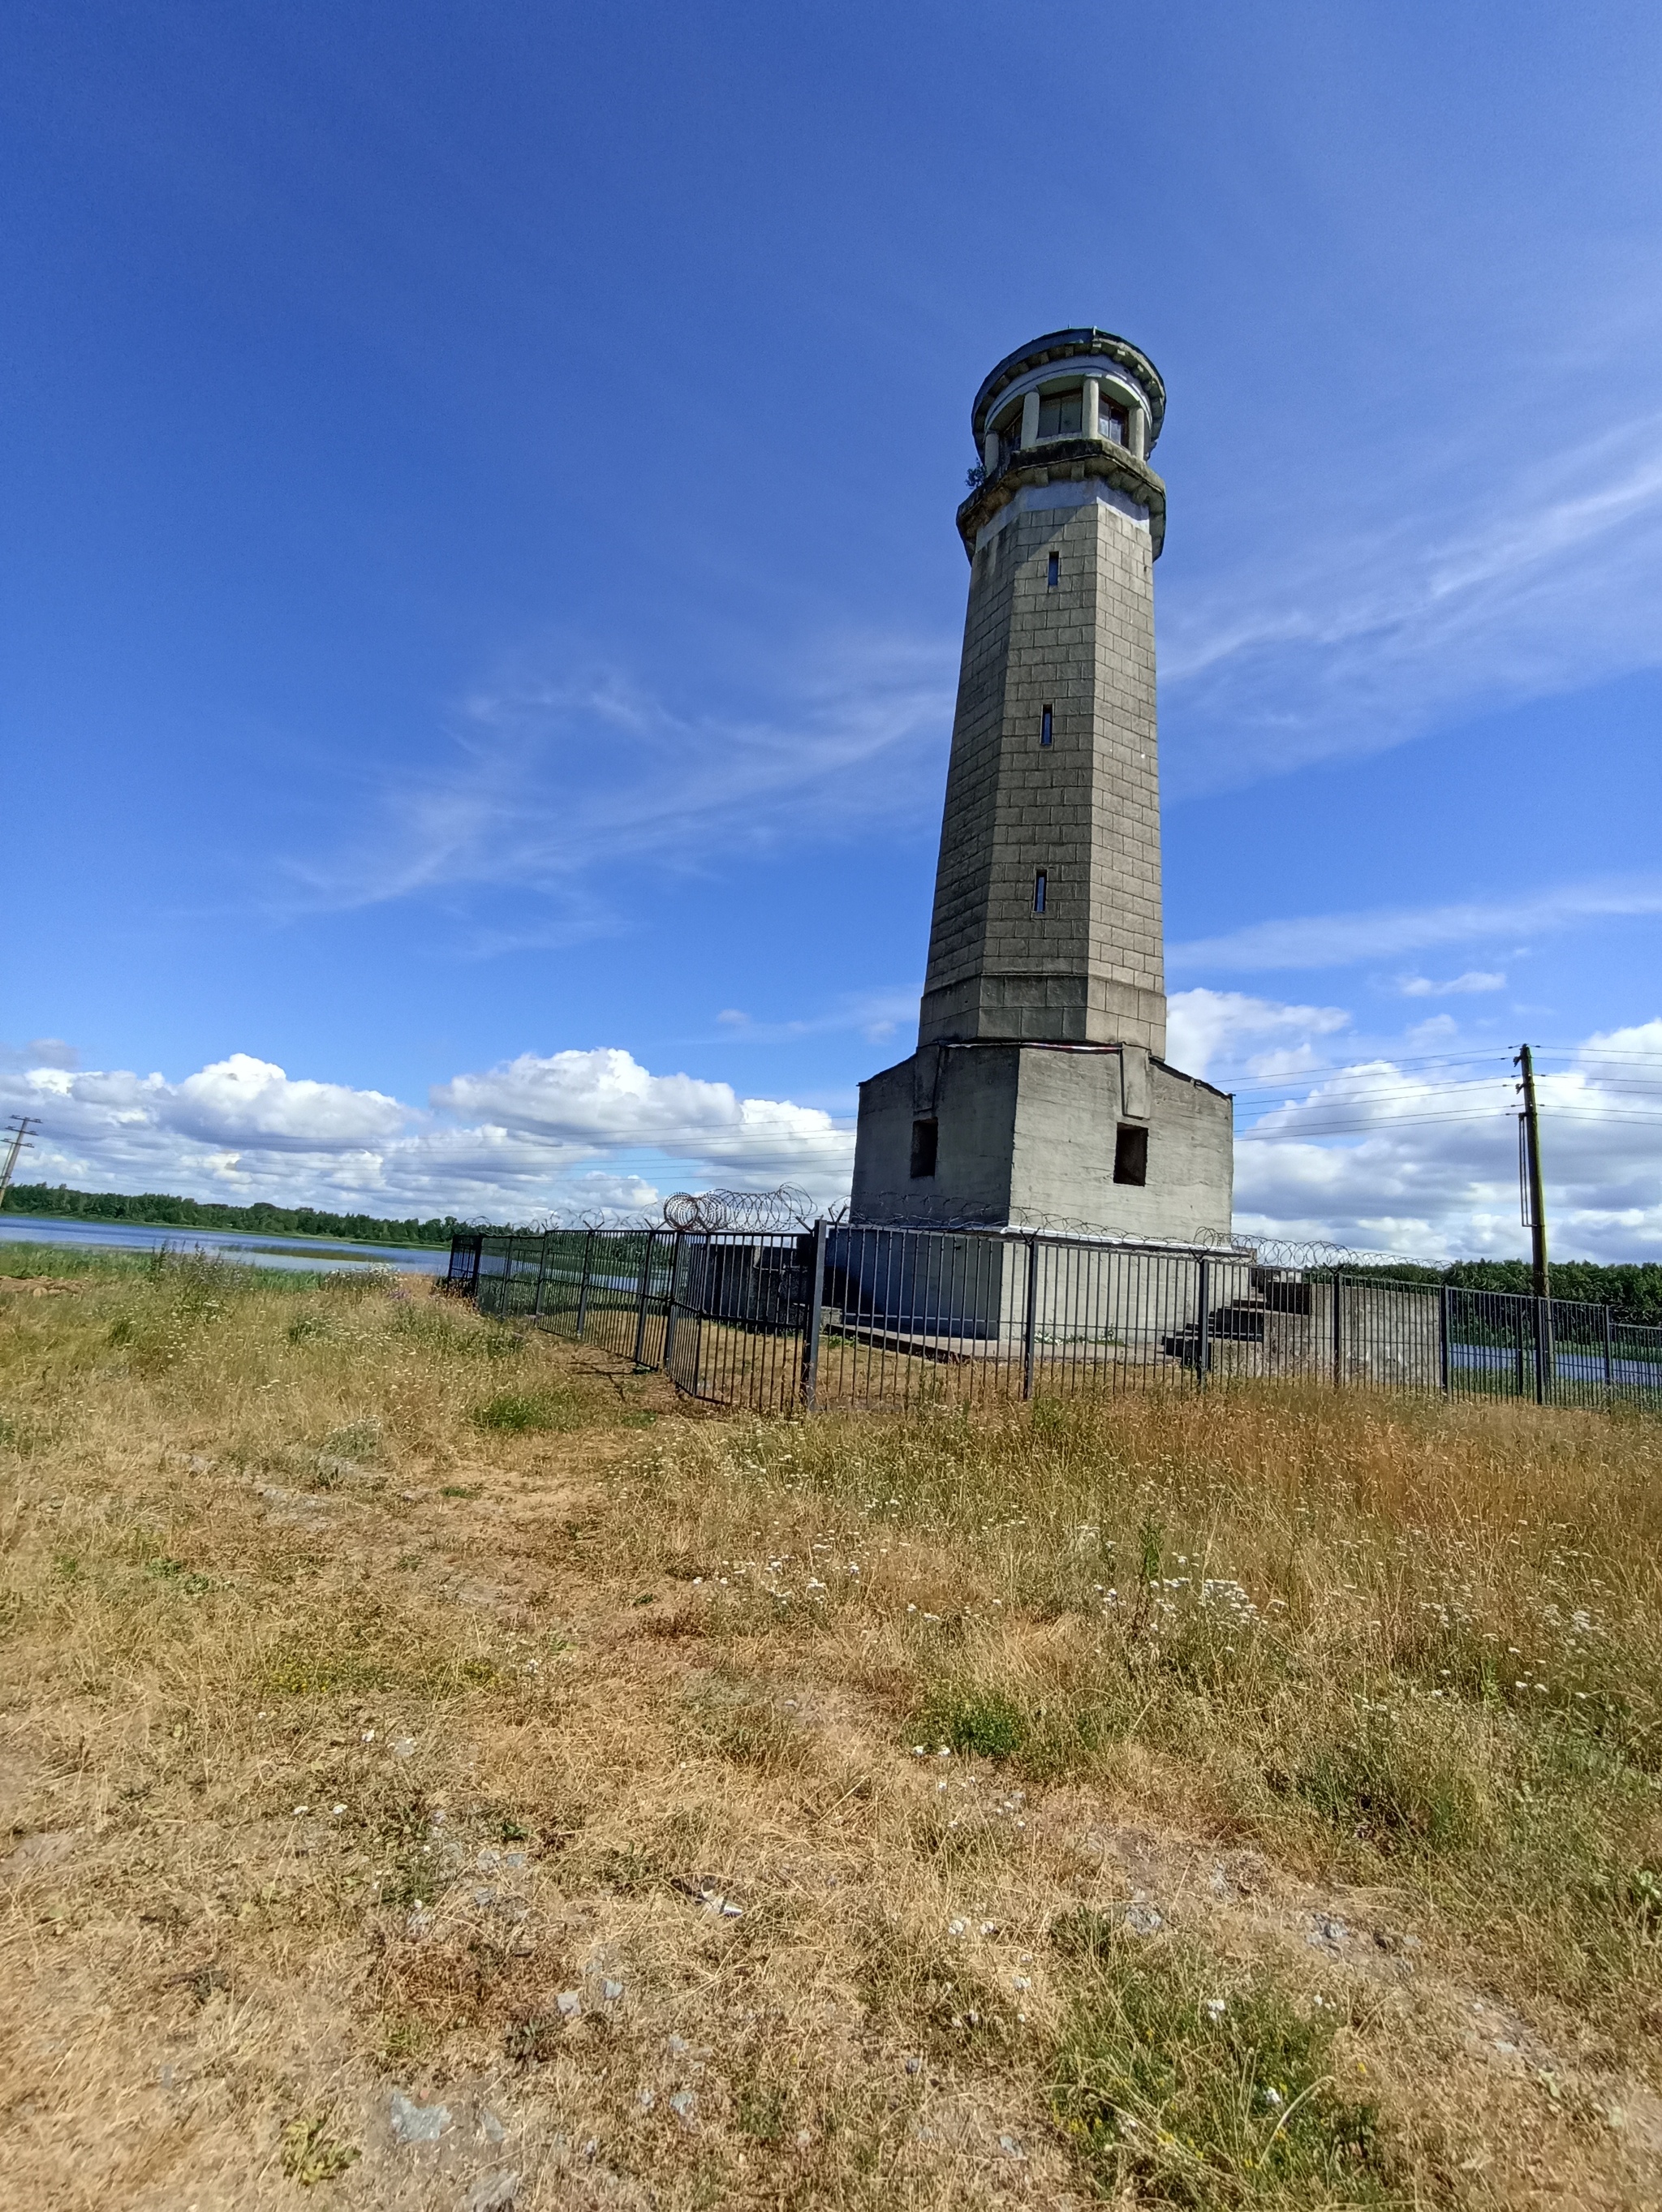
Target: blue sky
{"x": 483, "y": 604}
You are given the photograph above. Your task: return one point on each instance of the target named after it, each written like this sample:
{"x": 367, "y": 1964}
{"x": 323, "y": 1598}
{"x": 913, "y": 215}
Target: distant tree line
{"x": 156, "y": 1209}
{"x": 1632, "y": 1290}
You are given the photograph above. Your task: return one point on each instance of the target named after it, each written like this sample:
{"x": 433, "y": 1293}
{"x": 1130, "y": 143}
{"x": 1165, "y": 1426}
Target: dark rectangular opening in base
{"x": 1130, "y": 1153}
{"x": 925, "y": 1136}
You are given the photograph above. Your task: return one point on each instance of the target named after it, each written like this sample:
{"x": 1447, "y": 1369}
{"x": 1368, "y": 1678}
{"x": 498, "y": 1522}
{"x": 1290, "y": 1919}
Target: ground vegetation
{"x": 440, "y": 1768}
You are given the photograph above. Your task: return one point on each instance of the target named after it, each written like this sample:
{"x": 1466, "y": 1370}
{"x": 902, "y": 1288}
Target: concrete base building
{"x": 1039, "y": 1090}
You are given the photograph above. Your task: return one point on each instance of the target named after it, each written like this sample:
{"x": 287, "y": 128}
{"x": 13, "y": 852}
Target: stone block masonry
{"x": 1046, "y": 979}
{"x": 1083, "y": 810}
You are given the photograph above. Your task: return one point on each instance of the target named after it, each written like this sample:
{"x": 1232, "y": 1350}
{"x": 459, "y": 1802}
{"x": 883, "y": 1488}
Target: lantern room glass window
{"x": 1113, "y": 424}
{"x": 1062, "y": 415}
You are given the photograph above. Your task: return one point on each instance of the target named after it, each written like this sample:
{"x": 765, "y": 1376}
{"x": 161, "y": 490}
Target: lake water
{"x": 277, "y": 1251}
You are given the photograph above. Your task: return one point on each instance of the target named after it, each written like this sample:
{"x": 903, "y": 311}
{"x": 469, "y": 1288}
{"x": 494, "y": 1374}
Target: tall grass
{"x": 1402, "y": 1643}
{"x": 1251, "y": 1801}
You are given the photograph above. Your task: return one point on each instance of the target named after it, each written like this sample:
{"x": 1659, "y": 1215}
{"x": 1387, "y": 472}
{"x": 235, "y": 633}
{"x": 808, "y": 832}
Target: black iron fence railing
{"x": 845, "y": 1314}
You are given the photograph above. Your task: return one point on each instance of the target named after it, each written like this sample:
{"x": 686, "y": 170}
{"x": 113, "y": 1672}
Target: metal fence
{"x": 846, "y": 1314}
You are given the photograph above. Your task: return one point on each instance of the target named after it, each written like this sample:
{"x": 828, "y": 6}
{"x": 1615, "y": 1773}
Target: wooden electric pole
{"x": 18, "y": 1127}
{"x": 1535, "y": 1189}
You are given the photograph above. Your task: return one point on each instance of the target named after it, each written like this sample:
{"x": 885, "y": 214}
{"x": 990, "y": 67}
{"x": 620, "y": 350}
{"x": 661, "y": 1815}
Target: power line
{"x": 1392, "y": 1068}
{"x": 1384, "y": 1122}
{"x": 1364, "y": 1093}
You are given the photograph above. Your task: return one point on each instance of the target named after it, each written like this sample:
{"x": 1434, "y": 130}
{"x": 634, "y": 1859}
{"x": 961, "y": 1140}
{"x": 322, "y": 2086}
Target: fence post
{"x": 1543, "y": 1346}
{"x": 1443, "y": 1302}
{"x": 645, "y": 1292}
{"x": 1610, "y": 1353}
{"x": 1030, "y": 1323}
{"x": 1338, "y": 1331}
{"x": 669, "y": 1316}
{"x": 1203, "y": 1327}
{"x": 542, "y": 1274}
{"x": 811, "y": 1326}
{"x": 583, "y": 1294}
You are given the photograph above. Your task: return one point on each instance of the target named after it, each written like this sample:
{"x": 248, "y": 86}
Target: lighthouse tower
{"x": 1039, "y": 1092}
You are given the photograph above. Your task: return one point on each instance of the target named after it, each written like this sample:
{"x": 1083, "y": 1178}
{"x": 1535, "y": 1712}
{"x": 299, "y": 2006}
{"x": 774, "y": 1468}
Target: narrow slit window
{"x": 1045, "y": 733}
{"x": 1130, "y": 1153}
{"x": 1053, "y": 574}
{"x": 1040, "y": 887}
{"x": 926, "y": 1136}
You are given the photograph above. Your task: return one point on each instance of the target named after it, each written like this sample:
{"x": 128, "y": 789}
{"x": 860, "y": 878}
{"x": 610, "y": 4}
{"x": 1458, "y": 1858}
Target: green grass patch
{"x": 1382, "y": 1789}
{"x": 1042, "y": 1736}
{"x": 517, "y": 1412}
{"x": 1177, "y": 2087}
{"x": 356, "y": 1441}
{"x": 177, "y": 1576}
{"x": 455, "y": 1333}
{"x": 982, "y": 1723}
{"x": 66, "y": 1261}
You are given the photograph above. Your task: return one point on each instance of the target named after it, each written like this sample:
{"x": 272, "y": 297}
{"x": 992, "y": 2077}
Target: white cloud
{"x": 1373, "y": 1154}
{"x": 1338, "y": 940}
{"x": 39, "y": 1052}
{"x": 1426, "y": 1164}
{"x": 606, "y": 1098}
{"x": 1475, "y": 979}
{"x": 1203, "y": 1026}
{"x": 575, "y": 1131}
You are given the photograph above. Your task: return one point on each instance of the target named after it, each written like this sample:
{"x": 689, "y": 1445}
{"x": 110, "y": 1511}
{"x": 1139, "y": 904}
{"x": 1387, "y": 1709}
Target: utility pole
{"x": 19, "y": 1125}
{"x": 1535, "y": 1195}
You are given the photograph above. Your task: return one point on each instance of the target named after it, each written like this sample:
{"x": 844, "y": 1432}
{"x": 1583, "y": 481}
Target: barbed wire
{"x": 713, "y": 1211}
{"x": 1314, "y": 1253}
{"x": 1262, "y": 1251}
{"x": 889, "y": 1211}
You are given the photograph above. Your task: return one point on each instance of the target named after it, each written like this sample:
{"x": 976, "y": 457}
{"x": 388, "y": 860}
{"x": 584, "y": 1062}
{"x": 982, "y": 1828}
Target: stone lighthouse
{"x": 1039, "y": 1093}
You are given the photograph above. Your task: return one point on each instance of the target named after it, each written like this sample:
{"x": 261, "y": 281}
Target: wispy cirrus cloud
{"x": 570, "y": 762}
{"x": 1506, "y": 566}
{"x": 1339, "y": 940}
{"x": 875, "y": 1015}
{"x": 1473, "y": 979}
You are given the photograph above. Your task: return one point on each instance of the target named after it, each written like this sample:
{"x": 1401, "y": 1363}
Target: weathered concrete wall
{"x": 1070, "y": 1106}
{"x": 971, "y": 1096}
{"x": 1281, "y": 1327}
{"x": 1031, "y": 1130}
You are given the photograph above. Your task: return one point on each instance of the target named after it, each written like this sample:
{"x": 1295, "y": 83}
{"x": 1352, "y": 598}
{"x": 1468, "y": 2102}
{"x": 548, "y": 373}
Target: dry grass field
{"x": 439, "y": 1769}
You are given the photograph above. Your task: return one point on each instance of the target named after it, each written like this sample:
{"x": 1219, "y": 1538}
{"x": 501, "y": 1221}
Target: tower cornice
{"x": 1065, "y": 346}
{"x": 1059, "y": 460}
